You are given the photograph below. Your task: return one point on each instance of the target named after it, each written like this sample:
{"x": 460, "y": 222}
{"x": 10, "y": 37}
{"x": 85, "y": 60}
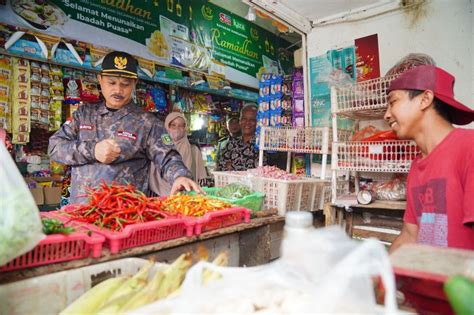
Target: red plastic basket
{"x": 222, "y": 218}
{"x": 139, "y": 234}
{"x": 424, "y": 291}
{"x": 58, "y": 248}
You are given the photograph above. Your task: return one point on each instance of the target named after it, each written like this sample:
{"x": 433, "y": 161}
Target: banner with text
{"x": 191, "y": 33}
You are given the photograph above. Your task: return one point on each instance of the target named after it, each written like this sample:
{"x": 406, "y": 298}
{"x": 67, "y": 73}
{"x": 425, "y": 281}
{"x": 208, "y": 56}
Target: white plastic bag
{"x": 20, "y": 222}
{"x": 331, "y": 274}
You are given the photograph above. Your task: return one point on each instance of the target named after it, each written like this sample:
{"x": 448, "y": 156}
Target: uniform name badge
{"x": 86, "y": 127}
{"x": 126, "y": 134}
{"x": 166, "y": 138}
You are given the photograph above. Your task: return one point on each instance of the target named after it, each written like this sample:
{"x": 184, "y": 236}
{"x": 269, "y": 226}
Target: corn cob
{"x": 148, "y": 294}
{"x": 207, "y": 275}
{"x": 221, "y": 260}
{"x": 174, "y": 275}
{"x": 135, "y": 283}
{"x": 112, "y": 307}
{"x": 127, "y": 290}
{"x": 93, "y": 299}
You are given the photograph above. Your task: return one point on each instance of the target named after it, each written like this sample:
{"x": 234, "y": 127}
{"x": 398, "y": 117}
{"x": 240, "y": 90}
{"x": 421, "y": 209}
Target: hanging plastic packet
{"x": 73, "y": 89}
{"x": 89, "y": 90}
{"x": 20, "y": 223}
{"x": 159, "y": 98}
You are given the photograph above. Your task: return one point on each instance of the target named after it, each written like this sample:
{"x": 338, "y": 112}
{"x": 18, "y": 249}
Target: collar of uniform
{"x": 130, "y": 107}
{"x": 102, "y": 110}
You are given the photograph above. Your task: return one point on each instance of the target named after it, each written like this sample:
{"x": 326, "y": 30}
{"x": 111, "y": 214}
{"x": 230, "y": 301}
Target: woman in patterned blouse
{"x": 240, "y": 153}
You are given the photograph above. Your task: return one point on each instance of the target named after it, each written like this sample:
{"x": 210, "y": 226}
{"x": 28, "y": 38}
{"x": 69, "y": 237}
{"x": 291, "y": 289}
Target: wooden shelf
{"x": 377, "y": 204}
{"x": 383, "y": 204}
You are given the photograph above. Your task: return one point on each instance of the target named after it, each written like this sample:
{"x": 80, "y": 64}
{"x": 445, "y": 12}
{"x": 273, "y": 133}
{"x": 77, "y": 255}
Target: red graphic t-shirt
{"x": 440, "y": 193}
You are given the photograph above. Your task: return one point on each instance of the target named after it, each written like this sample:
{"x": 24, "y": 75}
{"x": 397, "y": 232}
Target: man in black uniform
{"x": 115, "y": 140}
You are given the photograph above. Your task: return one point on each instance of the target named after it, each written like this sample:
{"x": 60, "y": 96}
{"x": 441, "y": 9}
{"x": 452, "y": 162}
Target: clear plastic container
{"x": 296, "y": 233}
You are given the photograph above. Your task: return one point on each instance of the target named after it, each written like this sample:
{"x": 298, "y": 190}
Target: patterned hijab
{"x": 182, "y": 145}
{"x": 187, "y": 151}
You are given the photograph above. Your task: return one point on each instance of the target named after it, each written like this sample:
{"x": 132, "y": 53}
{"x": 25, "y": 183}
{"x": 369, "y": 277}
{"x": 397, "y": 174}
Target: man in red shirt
{"x": 440, "y": 186}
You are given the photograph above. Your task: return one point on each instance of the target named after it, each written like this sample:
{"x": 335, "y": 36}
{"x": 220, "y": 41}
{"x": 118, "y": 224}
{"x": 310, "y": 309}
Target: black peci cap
{"x": 119, "y": 64}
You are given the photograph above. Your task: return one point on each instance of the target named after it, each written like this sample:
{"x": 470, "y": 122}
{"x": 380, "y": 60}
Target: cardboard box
{"x": 47, "y": 179}
{"x": 52, "y": 195}
{"x": 37, "y": 193}
{"x": 44, "y": 194}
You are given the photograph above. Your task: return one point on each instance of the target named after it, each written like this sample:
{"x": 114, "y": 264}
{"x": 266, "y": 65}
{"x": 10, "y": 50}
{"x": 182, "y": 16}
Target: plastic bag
{"x": 394, "y": 189}
{"x": 20, "y": 222}
{"x": 330, "y": 274}
{"x": 365, "y": 133}
{"x": 385, "y": 135}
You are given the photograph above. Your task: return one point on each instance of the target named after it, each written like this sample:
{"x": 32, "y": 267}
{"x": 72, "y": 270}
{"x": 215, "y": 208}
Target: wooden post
{"x": 329, "y": 214}
{"x": 349, "y": 222}
{"x": 254, "y": 246}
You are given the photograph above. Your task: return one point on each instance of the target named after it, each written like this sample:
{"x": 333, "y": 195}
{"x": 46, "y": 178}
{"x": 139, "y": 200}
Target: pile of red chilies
{"x": 115, "y": 206}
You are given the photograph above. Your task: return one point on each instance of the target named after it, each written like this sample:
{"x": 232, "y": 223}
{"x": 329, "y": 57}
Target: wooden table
{"x": 249, "y": 244}
{"x": 335, "y": 214}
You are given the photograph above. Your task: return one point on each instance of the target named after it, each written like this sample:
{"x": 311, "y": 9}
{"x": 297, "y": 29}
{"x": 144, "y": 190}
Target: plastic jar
{"x": 297, "y": 229}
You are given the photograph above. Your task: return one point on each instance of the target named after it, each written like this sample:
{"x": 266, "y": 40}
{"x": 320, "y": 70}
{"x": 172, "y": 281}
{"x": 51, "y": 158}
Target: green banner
{"x": 193, "y": 34}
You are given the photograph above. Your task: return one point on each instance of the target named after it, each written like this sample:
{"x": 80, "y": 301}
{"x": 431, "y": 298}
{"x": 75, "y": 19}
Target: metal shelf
{"x": 377, "y": 156}
{"x": 366, "y": 101}
{"x": 304, "y": 140}
{"x": 363, "y": 101}
{"x": 373, "y": 113}
{"x": 312, "y": 140}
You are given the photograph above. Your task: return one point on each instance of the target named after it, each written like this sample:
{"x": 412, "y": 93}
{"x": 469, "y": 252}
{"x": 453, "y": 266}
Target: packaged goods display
{"x": 46, "y": 96}
{"x": 269, "y": 103}
{"x": 5, "y": 92}
{"x": 298, "y": 98}
{"x": 20, "y": 100}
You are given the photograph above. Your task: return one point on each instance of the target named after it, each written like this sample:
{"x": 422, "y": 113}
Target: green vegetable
{"x": 234, "y": 191}
{"x": 53, "y": 226}
{"x": 460, "y": 292}
{"x": 20, "y": 225}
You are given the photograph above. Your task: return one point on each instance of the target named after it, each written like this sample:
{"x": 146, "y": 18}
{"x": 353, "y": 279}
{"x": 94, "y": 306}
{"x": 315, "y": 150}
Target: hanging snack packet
{"x": 89, "y": 90}
{"x": 73, "y": 91}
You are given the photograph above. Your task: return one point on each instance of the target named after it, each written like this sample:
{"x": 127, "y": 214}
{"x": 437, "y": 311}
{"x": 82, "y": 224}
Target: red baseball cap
{"x": 432, "y": 78}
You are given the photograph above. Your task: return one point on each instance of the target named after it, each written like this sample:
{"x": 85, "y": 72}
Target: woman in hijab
{"x": 175, "y": 124}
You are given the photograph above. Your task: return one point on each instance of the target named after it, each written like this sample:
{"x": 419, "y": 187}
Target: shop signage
{"x": 189, "y": 33}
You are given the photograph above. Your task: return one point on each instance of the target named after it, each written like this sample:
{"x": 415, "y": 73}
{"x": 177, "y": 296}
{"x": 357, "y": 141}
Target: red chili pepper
{"x": 115, "y": 206}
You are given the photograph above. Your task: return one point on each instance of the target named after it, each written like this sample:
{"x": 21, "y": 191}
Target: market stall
{"x": 251, "y": 244}
{"x": 326, "y": 99}
{"x": 49, "y": 65}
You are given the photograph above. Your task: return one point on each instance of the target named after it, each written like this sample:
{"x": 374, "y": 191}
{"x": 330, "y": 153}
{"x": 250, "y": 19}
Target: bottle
{"x": 297, "y": 230}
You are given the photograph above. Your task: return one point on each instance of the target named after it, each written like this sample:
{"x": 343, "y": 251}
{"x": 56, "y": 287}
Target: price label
{"x": 375, "y": 149}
